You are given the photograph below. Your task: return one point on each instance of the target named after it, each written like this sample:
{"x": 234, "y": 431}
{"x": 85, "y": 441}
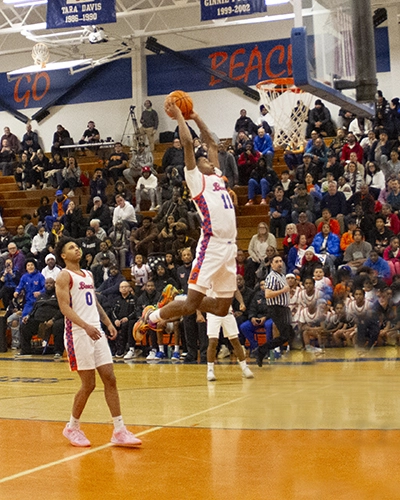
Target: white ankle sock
{"x": 176, "y": 348}
{"x": 73, "y": 423}
{"x": 243, "y": 364}
{"x": 155, "y": 316}
{"x": 210, "y": 367}
{"x": 118, "y": 423}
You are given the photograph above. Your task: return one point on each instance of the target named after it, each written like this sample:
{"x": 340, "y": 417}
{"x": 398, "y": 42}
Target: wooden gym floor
{"x": 305, "y": 428}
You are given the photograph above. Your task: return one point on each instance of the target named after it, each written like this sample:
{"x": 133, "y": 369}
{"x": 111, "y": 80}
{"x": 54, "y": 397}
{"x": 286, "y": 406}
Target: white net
{"x": 40, "y": 54}
{"x": 288, "y": 106}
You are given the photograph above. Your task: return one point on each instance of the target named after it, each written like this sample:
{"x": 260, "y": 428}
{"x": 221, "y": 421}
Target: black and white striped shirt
{"x": 276, "y": 281}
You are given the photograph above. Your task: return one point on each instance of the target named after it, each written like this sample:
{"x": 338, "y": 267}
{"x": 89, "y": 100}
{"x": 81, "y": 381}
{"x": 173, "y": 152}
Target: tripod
{"x": 137, "y": 136}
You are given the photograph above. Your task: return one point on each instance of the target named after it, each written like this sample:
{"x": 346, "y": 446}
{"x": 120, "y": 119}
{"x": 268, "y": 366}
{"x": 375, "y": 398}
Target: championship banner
{"x": 71, "y": 13}
{"x": 217, "y": 9}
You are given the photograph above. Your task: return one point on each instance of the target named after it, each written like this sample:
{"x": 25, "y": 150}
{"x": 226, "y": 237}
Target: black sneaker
{"x": 259, "y": 357}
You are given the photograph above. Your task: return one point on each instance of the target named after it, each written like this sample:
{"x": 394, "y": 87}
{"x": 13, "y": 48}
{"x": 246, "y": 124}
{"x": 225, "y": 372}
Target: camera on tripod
{"x": 132, "y": 109}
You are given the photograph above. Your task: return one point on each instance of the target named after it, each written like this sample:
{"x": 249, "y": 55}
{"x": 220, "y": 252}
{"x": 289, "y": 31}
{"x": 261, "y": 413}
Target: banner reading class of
{"x": 71, "y": 13}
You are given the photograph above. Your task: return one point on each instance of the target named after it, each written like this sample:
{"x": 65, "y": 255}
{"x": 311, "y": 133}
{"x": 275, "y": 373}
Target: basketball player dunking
{"x": 86, "y": 344}
{"x": 214, "y": 267}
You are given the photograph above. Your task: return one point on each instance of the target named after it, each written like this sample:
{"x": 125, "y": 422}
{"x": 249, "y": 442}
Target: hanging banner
{"x": 217, "y": 9}
{"x": 70, "y": 13}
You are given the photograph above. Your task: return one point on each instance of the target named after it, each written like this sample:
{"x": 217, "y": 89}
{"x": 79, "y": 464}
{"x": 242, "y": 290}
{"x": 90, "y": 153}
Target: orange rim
{"x": 280, "y": 85}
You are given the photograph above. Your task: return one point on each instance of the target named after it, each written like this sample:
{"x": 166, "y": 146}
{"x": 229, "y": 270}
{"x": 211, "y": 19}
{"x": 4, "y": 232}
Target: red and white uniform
{"x": 215, "y": 265}
{"x": 83, "y": 352}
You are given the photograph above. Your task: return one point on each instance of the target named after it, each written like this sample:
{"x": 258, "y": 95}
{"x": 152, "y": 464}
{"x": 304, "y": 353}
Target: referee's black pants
{"x": 282, "y": 318}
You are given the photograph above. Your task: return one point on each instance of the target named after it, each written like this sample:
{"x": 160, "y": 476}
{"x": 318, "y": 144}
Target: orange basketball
{"x": 183, "y": 101}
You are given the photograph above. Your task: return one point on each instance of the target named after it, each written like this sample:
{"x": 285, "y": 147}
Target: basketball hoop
{"x": 288, "y": 106}
{"x": 40, "y": 54}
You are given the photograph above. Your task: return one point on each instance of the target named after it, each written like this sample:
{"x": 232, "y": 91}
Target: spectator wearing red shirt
{"x": 351, "y": 146}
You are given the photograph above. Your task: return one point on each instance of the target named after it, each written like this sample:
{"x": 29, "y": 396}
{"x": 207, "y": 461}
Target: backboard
{"x": 334, "y": 53}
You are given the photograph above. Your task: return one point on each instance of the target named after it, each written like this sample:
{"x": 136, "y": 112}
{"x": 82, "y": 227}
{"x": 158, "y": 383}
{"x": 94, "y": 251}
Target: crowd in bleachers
{"x": 335, "y": 210}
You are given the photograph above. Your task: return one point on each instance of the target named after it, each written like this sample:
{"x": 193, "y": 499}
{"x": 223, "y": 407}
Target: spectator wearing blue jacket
{"x": 58, "y": 210}
{"x": 379, "y": 265}
{"x": 328, "y": 244}
{"x": 263, "y": 144}
{"x": 32, "y": 284}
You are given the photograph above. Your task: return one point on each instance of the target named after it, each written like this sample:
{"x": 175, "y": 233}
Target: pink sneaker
{"x": 76, "y": 437}
{"x": 125, "y": 438}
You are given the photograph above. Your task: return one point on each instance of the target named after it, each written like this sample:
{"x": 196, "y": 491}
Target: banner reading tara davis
{"x": 71, "y": 13}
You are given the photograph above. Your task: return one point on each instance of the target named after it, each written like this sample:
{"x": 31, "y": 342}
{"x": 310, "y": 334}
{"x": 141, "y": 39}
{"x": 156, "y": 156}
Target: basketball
{"x": 183, "y": 101}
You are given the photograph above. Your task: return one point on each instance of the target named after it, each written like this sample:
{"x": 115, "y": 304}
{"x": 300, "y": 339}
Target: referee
{"x": 277, "y": 298}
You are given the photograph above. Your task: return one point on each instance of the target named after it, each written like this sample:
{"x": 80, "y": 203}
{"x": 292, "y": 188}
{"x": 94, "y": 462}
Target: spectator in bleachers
{"x": 353, "y": 177}
{"x": 344, "y": 187}
{"x": 167, "y": 234}
{"x": 175, "y": 206}
{"x": 101, "y": 212}
{"x": 98, "y": 230}
{"x": 247, "y": 161}
{"x": 173, "y": 157}
{"x": 380, "y": 150}
{"x": 327, "y": 244}
{"x": 394, "y": 196}
{"x": 319, "y": 156}
{"x": 7, "y": 158}
{"x": 23, "y": 172}
{"x": 8, "y": 282}
{"x": 345, "y": 118}
{"x": 61, "y": 137}
{"x": 360, "y": 127}
{"x": 288, "y": 185}
{"x": 290, "y": 240}
{"x": 246, "y": 124}
{"x": 58, "y": 209}
{"x": 393, "y": 165}
{"x": 182, "y": 241}
{"x": 351, "y": 146}
{"x": 40, "y": 165}
{"x": 91, "y": 134}
{"x": 347, "y": 238}
{"x": 374, "y": 178}
{"x": 338, "y": 142}
{"x": 101, "y": 269}
{"x": 304, "y": 226}
{"x": 43, "y": 210}
{"x": 293, "y": 154}
{"x": 74, "y": 221}
{"x": 120, "y": 240}
{"x": 32, "y": 284}
{"x": 336, "y": 202}
{"x": 319, "y": 119}
{"x": 364, "y": 198}
{"x": 22, "y": 240}
{"x": 391, "y": 219}
{"x": 239, "y": 145}
{"x": 357, "y": 252}
{"x": 296, "y": 254}
{"x": 263, "y": 144}
{"x": 308, "y": 263}
{"x": 121, "y": 188}
{"x": 302, "y": 202}
{"x": 379, "y": 265}
{"x": 146, "y": 188}
{"x": 117, "y": 163}
{"x": 71, "y": 176}
{"x": 265, "y": 121}
{"x": 381, "y": 111}
{"x": 30, "y": 140}
{"x": 54, "y": 175}
{"x": 332, "y": 165}
{"x": 98, "y": 187}
{"x": 228, "y": 165}
{"x": 315, "y": 191}
{"x": 29, "y": 227}
{"x": 124, "y": 212}
{"x": 380, "y": 235}
{"x": 242, "y": 315}
{"x": 149, "y": 296}
{"x": 262, "y": 180}
{"x": 12, "y": 140}
{"x": 51, "y": 270}
{"x": 56, "y": 233}
{"x": 104, "y": 250}
{"x": 392, "y": 255}
{"x": 144, "y": 240}
{"x": 141, "y": 157}
{"x": 279, "y": 209}
{"x": 39, "y": 242}
{"x": 17, "y": 257}
{"x": 149, "y": 123}
{"x": 306, "y": 167}
{"x": 90, "y": 245}
{"x": 258, "y": 250}
{"x": 327, "y": 218}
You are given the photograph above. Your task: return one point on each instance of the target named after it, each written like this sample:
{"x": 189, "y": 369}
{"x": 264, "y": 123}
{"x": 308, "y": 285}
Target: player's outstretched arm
{"x": 184, "y": 133}
{"x": 208, "y": 138}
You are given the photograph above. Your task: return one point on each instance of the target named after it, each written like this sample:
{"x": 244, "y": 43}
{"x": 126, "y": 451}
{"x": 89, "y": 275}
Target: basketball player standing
{"x": 86, "y": 344}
